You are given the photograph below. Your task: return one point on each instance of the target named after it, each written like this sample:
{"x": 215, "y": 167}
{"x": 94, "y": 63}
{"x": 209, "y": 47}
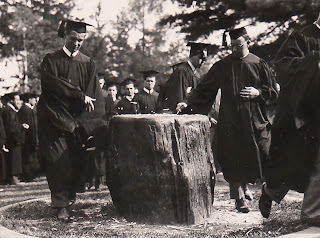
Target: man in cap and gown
{"x": 183, "y": 79}
{"x": 129, "y": 103}
{"x": 147, "y": 97}
{"x": 243, "y": 129}
{"x": 15, "y": 137}
{"x": 71, "y": 106}
{"x": 294, "y": 161}
{"x": 29, "y": 149}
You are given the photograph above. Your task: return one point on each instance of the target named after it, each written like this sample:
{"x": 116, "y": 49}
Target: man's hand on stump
{"x": 181, "y": 106}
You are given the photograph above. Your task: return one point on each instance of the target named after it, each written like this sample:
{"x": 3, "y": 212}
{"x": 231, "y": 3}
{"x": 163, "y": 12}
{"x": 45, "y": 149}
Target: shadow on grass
{"x": 96, "y": 216}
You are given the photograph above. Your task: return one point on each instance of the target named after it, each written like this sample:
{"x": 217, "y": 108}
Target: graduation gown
{"x": 300, "y": 57}
{"x": 15, "y": 137}
{"x": 3, "y": 138}
{"x": 293, "y": 145}
{"x": 111, "y": 107}
{"x": 125, "y": 106}
{"x": 176, "y": 88}
{"x": 30, "y": 145}
{"x": 147, "y": 102}
{"x": 64, "y": 123}
{"x": 243, "y": 125}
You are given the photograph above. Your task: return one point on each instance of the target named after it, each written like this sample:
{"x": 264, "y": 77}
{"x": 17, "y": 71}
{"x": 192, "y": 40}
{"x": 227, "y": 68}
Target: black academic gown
{"x": 243, "y": 125}
{"x": 125, "y": 106}
{"x": 64, "y": 121}
{"x": 15, "y": 137}
{"x": 293, "y": 147}
{"x": 3, "y": 138}
{"x": 176, "y": 88}
{"x": 29, "y": 150}
{"x": 147, "y": 102}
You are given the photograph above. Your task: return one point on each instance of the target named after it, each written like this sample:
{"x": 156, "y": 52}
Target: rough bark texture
{"x": 160, "y": 166}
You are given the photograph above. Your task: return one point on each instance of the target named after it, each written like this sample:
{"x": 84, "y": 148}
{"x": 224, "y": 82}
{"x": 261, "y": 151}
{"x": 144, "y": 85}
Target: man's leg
{"x": 237, "y": 192}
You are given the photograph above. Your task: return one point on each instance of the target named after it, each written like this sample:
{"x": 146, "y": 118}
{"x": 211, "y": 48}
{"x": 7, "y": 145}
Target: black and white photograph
{"x": 159, "y": 119}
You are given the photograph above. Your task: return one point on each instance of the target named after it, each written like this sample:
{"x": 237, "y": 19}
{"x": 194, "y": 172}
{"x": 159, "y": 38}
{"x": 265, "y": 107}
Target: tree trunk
{"x": 160, "y": 167}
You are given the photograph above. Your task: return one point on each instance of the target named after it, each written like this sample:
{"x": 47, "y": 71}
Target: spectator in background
{"x": 129, "y": 103}
{"x": 29, "y": 149}
{"x": 15, "y": 135}
{"x": 148, "y": 97}
{"x": 3, "y": 150}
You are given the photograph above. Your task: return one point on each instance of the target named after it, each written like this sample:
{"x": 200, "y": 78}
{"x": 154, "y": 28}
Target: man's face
{"x": 33, "y": 101}
{"x": 112, "y": 91}
{"x": 74, "y": 40}
{"x": 239, "y": 46}
{"x": 129, "y": 90}
{"x": 102, "y": 82}
{"x": 200, "y": 59}
{"x": 17, "y": 102}
{"x": 150, "y": 82}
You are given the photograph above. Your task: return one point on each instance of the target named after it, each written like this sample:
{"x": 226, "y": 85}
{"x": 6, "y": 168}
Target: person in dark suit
{"x": 183, "y": 79}
{"x": 3, "y": 150}
{"x": 129, "y": 103}
{"x": 147, "y": 97}
{"x": 15, "y": 134}
{"x": 29, "y": 150}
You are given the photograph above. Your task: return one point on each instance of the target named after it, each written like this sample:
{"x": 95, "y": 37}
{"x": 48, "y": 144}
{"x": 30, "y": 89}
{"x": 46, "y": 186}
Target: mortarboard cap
{"x": 69, "y": 25}
{"x": 198, "y": 45}
{"x": 128, "y": 81}
{"x": 234, "y": 34}
{"x": 111, "y": 84}
{"x": 149, "y": 73}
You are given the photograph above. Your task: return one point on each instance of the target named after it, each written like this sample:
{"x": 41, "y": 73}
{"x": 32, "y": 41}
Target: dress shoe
{"x": 265, "y": 203}
{"x": 248, "y": 195}
{"x": 241, "y": 206}
{"x": 64, "y": 215}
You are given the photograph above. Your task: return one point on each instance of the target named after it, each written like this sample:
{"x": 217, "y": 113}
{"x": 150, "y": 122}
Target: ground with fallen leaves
{"x": 95, "y": 216}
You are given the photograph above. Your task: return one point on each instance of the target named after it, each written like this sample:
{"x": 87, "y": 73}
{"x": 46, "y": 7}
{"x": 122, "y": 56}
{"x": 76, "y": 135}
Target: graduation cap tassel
{"x": 61, "y": 29}
{"x": 224, "y": 39}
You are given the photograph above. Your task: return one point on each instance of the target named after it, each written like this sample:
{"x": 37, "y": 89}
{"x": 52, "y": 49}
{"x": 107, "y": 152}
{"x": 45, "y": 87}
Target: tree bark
{"x": 160, "y": 167}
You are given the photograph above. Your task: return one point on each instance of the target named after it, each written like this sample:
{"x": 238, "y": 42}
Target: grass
{"x": 95, "y": 216}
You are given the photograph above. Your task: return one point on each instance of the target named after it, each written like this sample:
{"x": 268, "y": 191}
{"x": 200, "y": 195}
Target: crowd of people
{"x": 264, "y": 130}
{"x": 20, "y": 160}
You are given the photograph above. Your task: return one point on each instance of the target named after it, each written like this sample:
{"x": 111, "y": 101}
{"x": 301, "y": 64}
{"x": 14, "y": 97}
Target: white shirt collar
{"x": 245, "y": 55}
{"x": 148, "y": 91}
{"x": 29, "y": 105}
{"x": 317, "y": 25}
{"x": 68, "y": 53}
{"x": 129, "y": 98}
{"x": 12, "y": 107}
{"x": 192, "y": 67}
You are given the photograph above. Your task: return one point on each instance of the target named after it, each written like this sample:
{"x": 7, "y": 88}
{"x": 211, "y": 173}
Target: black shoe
{"x": 241, "y": 206}
{"x": 265, "y": 203}
{"x": 63, "y": 215}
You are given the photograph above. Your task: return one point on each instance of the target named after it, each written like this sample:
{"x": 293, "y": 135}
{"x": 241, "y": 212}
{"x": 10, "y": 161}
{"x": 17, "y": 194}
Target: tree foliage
{"x": 29, "y": 29}
{"x": 202, "y": 17}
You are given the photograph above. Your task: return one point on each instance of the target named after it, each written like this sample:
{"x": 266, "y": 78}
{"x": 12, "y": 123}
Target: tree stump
{"x": 160, "y": 168}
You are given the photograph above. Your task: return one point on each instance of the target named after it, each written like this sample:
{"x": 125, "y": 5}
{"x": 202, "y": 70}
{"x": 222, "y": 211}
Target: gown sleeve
{"x": 202, "y": 97}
